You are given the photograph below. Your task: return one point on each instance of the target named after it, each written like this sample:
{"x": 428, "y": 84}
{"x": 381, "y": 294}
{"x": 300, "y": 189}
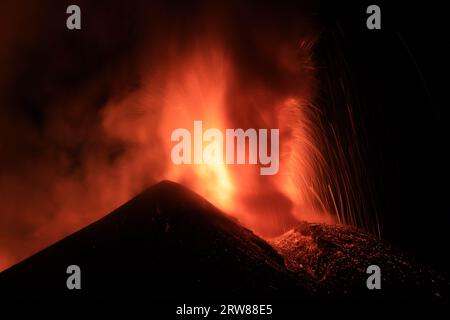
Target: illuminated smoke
{"x": 82, "y": 147}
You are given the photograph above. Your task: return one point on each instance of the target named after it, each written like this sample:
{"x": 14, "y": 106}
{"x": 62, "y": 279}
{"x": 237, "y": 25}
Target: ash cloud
{"x": 69, "y": 98}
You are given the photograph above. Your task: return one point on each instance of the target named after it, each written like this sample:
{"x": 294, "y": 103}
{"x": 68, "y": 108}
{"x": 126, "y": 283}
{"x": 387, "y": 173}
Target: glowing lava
{"x": 198, "y": 87}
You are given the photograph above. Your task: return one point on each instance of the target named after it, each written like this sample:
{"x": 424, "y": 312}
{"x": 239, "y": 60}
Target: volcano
{"x": 170, "y": 243}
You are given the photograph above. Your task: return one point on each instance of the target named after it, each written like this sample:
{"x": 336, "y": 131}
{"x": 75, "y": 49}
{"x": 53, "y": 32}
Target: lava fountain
{"x": 206, "y": 80}
{"x": 203, "y": 84}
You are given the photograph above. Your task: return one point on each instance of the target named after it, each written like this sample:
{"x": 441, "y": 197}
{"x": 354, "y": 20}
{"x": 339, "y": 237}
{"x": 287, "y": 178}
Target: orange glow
{"x": 95, "y": 148}
{"x": 204, "y": 83}
{"x": 195, "y": 89}
{"x": 196, "y": 86}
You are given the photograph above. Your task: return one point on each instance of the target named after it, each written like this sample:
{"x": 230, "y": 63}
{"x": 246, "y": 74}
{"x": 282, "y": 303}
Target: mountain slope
{"x": 337, "y": 258}
{"x": 167, "y": 242}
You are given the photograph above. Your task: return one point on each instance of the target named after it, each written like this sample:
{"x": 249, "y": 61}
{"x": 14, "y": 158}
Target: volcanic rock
{"x": 170, "y": 243}
{"x": 337, "y": 258}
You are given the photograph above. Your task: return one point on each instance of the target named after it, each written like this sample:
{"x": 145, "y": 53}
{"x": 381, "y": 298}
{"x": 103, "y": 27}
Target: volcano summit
{"x": 169, "y": 243}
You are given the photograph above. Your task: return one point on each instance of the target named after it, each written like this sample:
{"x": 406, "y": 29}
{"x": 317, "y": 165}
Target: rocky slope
{"x": 169, "y": 243}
